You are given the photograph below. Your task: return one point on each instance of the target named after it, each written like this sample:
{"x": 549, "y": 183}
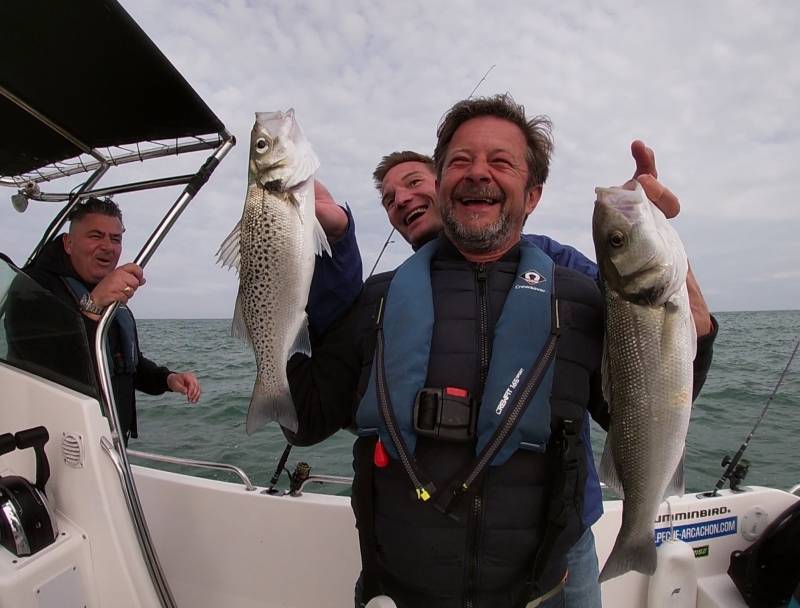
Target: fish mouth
{"x": 647, "y": 297}
{"x": 415, "y": 214}
{"x": 265, "y": 177}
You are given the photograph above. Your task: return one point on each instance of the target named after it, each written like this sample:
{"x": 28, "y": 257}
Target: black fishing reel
{"x": 27, "y": 524}
{"x": 738, "y": 473}
{"x": 301, "y": 473}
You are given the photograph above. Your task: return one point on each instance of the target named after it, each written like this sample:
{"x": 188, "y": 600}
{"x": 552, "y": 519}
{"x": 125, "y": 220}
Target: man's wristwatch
{"x": 86, "y": 304}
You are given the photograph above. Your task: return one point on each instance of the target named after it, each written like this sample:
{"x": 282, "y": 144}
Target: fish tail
{"x": 630, "y": 554}
{"x": 266, "y": 408}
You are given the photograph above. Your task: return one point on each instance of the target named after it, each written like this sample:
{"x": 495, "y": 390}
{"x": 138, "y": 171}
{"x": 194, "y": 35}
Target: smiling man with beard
{"x": 467, "y": 374}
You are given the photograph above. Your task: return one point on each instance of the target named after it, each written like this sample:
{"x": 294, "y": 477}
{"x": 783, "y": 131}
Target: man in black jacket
{"x": 80, "y": 269}
{"x": 467, "y": 374}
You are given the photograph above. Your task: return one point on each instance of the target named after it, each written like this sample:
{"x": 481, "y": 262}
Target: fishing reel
{"x": 738, "y": 473}
{"x": 27, "y": 524}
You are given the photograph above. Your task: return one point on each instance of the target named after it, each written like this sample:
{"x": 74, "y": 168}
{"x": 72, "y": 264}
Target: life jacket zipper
{"x": 483, "y": 332}
{"x": 474, "y": 532}
{"x": 424, "y": 490}
{"x": 520, "y": 403}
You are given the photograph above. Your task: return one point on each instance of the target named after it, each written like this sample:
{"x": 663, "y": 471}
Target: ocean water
{"x": 750, "y": 353}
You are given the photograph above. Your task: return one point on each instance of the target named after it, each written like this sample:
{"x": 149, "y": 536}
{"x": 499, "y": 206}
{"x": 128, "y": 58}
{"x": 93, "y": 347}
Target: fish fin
{"x": 630, "y": 554}
{"x": 302, "y": 342}
{"x": 305, "y": 166}
{"x": 228, "y": 252}
{"x": 238, "y": 326}
{"x": 676, "y": 306}
{"x": 321, "y": 244}
{"x": 676, "y": 486}
{"x": 264, "y": 408}
{"x": 608, "y": 469}
{"x": 605, "y": 372}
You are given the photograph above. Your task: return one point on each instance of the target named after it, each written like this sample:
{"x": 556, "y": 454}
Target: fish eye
{"x": 616, "y": 239}
{"x": 261, "y": 144}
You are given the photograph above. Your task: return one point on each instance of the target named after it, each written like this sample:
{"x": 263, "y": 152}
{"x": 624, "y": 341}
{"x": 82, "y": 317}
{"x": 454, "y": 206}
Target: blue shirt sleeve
{"x": 337, "y": 281}
{"x": 564, "y": 255}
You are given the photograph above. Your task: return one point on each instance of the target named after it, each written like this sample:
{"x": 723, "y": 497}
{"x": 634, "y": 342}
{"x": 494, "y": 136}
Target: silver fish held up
{"x": 650, "y": 344}
{"x": 273, "y": 249}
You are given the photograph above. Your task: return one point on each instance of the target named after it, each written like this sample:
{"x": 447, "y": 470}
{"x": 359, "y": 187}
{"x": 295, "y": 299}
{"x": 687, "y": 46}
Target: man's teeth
{"x": 415, "y": 214}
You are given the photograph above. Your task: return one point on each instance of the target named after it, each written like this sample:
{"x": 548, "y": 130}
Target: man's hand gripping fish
{"x": 273, "y": 248}
{"x": 650, "y": 345}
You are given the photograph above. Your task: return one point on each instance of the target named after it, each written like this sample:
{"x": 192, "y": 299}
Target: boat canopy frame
{"x": 120, "y": 101}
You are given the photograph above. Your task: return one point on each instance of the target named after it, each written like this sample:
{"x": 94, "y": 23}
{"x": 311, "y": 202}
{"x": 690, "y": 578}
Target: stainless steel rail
{"x": 119, "y": 455}
{"x": 345, "y": 481}
{"x": 58, "y": 197}
{"x": 45, "y": 120}
{"x": 163, "y": 149}
{"x": 248, "y": 485}
{"x": 61, "y": 217}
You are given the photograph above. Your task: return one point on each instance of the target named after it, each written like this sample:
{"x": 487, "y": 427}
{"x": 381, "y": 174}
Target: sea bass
{"x": 273, "y": 248}
{"x": 650, "y": 345}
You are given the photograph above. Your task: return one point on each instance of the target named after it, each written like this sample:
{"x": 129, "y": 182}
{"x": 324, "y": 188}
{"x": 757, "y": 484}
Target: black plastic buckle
{"x": 447, "y": 413}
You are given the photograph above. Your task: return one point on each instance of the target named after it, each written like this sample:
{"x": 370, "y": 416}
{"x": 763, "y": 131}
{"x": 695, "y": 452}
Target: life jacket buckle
{"x": 448, "y": 414}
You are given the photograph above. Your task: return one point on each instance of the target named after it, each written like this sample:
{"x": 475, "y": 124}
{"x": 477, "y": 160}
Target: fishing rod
{"x": 480, "y": 81}
{"x": 733, "y": 463}
{"x": 385, "y": 245}
{"x": 388, "y": 242}
{"x": 284, "y": 457}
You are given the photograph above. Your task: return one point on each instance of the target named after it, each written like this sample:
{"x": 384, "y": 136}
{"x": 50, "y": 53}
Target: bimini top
{"x": 78, "y": 77}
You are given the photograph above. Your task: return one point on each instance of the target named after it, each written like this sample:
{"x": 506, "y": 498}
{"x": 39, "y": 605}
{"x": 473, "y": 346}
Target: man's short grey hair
{"x": 390, "y": 161}
{"x": 103, "y": 206}
{"x": 537, "y": 131}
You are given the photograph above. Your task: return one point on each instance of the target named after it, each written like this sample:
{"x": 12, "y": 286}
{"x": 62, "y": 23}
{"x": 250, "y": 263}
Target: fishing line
{"x": 388, "y": 242}
{"x": 735, "y": 460}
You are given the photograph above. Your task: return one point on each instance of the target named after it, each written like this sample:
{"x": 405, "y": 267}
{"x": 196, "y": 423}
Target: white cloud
{"x": 711, "y": 86}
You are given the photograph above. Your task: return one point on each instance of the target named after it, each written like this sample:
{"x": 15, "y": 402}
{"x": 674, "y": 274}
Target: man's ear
{"x": 532, "y": 199}
{"x": 68, "y": 244}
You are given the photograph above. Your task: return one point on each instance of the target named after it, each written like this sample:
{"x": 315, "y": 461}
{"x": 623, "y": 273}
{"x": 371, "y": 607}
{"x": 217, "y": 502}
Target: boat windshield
{"x": 41, "y": 334}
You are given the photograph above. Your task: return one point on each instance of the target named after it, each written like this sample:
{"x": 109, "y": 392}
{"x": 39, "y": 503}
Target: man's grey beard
{"x": 476, "y": 240}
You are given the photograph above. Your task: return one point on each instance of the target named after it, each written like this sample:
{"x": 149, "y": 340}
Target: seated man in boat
{"x": 80, "y": 269}
{"x": 466, "y": 491}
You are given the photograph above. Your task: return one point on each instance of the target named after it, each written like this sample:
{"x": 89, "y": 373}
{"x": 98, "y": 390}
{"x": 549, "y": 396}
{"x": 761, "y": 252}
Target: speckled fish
{"x": 273, "y": 248}
{"x": 650, "y": 344}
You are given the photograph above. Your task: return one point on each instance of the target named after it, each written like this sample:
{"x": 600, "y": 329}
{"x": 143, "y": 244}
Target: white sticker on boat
{"x": 700, "y": 531}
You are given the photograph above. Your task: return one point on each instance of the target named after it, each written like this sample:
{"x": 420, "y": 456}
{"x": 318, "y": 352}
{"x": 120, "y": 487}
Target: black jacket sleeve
{"x": 702, "y": 360}
{"x": 324, "y": 386}
{"x": 150, "y": 377}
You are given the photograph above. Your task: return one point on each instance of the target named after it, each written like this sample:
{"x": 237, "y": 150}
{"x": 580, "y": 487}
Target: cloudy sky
{"x": 713, "y": 87}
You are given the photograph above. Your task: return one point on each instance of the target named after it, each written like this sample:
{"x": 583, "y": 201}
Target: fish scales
{"x": 270, "y": 223}
{"x": 273, "y": 248}
{"x": 649, "y": 350}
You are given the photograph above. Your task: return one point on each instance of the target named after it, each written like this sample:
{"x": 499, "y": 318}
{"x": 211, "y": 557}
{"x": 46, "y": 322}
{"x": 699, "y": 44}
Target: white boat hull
{"x": 221, "y": 545}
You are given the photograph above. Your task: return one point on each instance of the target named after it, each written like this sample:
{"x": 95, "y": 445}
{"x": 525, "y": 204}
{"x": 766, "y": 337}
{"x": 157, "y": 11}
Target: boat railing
{"x": 190, "y": 462}
{"x": 334, "y": 479}
{"x": 248, "y": 485}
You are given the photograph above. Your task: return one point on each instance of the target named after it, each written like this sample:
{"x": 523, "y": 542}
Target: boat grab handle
{"x": 197, "y": 463}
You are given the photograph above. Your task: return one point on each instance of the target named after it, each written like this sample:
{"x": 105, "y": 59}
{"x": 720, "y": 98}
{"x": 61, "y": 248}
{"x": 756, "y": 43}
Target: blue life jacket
{"x": 525, "y": 330}
{"x": 128, "y": 360}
